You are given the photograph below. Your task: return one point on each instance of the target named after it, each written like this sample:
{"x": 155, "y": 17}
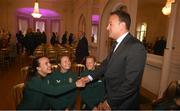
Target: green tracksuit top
{"x": 66, "y": 100}
{"x": 36, "y": 91}
{"x": 94, "y": 91}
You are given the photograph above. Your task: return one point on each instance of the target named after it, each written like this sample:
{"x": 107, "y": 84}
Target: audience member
{"x": 94, "y": 92}
{"x": 53, "y": 39}
{"x": 64, "y": 38}
{"x": 63, "y": 77}
{"x": 19, "y": 44}
{"x": 171, "y": 98}
{"x": 44, "y": 38}
{"x": 159, "y": 46}
{"x": 82, "y": 48}
{"x": 30, "y": 41}
{"x": 71, "y": 38}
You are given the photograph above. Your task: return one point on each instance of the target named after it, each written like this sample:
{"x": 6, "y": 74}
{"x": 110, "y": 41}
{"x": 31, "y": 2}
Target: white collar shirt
{"x": 119, "y": 40}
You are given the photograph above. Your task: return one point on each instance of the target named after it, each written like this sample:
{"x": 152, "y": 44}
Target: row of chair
{"x": 54, "y": 52}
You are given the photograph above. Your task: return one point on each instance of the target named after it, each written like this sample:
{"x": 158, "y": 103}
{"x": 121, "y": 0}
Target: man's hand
{"x": 85, "y": 79}
{"x": 95, "y": 108}
{"x": 104, "y": 106}
{"x": 80, "y": 83}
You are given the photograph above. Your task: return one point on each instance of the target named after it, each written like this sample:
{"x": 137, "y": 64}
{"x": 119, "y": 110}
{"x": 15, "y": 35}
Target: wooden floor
{"x": 10, "y": 76}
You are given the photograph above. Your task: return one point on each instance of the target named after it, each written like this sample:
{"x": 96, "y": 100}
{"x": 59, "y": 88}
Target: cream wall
{"x": 157, "y": 23}
{"x": 152, "y": 73}
{"x": 168, "y": 67}
{"x": 83, "y": 7}
{"x": 3, "y": 11}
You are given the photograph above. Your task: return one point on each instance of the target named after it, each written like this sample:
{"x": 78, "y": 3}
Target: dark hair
{"x": 32, "y": 70}
{"x": 123, "y": 17}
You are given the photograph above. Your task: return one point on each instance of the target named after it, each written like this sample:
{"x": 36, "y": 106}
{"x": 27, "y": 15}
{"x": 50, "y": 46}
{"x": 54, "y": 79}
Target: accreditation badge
{"x": 58, "y": 81}
{"x": 48, "y": 82}
{"x": 70, "y": 80}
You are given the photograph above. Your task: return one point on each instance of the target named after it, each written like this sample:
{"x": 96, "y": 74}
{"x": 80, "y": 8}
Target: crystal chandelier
{"x": 36, "y": 13}
{"x": 166, "y": 10}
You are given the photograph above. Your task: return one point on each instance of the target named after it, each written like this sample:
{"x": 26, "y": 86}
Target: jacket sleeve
{"x": 97, "y": 73}
{"x": 40, "y": 86}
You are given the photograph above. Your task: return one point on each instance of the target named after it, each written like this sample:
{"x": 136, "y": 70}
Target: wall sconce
{"x": 36, "y": 13}
{"x": 166, "y": 10}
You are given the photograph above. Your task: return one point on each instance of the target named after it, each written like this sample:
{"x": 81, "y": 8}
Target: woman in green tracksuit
{"x": 37, "y": 89}
{"x": 94, "y": 92}
{"x": 63, "y": 77}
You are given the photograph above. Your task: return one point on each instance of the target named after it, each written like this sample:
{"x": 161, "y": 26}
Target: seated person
{"x": 37, "y": 89}
{"x": 64, "y": 77}
{"x": 94, "y": 91}
{"x": 171, "y": 99}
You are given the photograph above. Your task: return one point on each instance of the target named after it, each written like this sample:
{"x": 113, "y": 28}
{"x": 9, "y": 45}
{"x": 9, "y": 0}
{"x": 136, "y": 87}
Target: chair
{"x": 39, "y": 53}
{"x": 78, "y": 68}
{"x": 52, "y": 55}
{"x": 24, "y": 72}
{"x": 4, "y": 57}
{"x": 54, "y": 67}
{"x": 17, "y": 93}
{"x": 169, "y": 93}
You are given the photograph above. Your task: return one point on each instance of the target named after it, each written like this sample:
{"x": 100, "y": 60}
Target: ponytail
{"x": 32, "y": 70}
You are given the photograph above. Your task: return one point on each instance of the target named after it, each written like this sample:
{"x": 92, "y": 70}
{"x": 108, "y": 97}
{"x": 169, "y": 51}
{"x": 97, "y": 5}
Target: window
{"x": 141, "y": 31}
{"x": 95, "y": 22}
{"x": 40, "y": 25}
{"x": 23, "y": 25}
{"x": 94, "y": 33}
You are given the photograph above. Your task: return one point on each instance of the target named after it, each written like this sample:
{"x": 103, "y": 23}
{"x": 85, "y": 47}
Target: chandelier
{"x": 166, "y": 10}
{"x": 36, "y": 13}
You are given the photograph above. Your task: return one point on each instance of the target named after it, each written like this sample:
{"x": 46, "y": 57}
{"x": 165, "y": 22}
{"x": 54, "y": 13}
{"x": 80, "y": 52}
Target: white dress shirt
{"x": 120, "y": 39}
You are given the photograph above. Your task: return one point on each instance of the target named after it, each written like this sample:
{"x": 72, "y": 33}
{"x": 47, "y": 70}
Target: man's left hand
{"x": 104, "y": 106}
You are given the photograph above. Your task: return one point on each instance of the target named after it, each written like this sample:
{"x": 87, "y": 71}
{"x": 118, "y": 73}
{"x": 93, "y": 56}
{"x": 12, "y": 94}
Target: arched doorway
{"x": 82, "y": 24}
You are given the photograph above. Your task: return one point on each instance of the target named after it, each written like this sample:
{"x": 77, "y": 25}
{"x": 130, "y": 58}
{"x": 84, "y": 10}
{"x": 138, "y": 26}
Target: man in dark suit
{"x": 123, "y": 68}
{"x": 82, "y": 48}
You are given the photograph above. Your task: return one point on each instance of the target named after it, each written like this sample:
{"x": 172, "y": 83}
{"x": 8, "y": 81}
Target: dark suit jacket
{"x": 81, "y": 50}
{"x": 123, "y": 73}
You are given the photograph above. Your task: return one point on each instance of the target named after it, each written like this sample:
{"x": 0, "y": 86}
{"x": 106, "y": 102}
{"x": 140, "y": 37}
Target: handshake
{"x": 82, "y": 81}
